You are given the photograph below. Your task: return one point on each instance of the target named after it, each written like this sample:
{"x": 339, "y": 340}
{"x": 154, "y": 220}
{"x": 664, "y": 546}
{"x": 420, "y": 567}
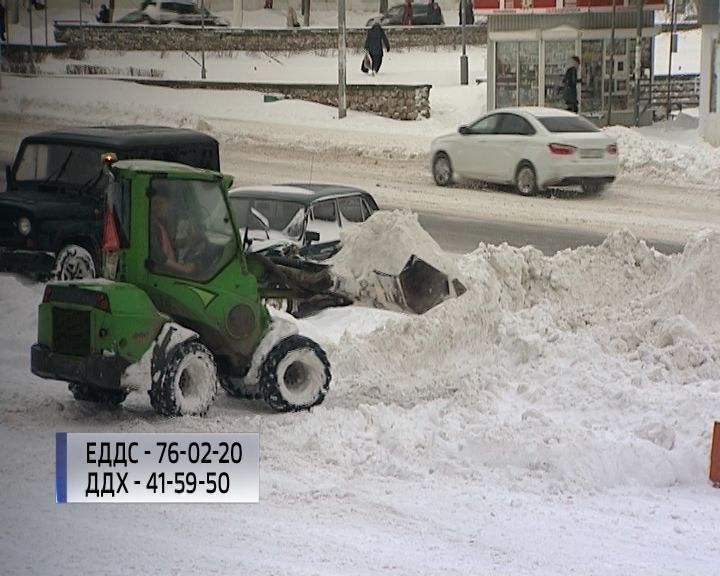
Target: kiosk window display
{"x": 516, "y": 78}
{"x": 557, "y": 59}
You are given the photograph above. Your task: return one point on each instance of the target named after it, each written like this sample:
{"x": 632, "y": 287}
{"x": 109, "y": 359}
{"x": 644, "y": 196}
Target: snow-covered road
{"x": 651, "y": 209}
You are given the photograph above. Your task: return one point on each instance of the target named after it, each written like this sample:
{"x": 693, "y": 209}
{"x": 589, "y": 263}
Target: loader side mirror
{"x": 311, "y": 236}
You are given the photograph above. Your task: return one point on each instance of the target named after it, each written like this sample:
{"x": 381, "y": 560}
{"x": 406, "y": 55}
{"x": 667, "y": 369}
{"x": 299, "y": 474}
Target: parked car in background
{"x": 177, "y": 12}
{"x": 307, "y": 216}
{"x": 422, "y": 15}
{"x": 51, "y": 217}
{"x": 529, "y": 148}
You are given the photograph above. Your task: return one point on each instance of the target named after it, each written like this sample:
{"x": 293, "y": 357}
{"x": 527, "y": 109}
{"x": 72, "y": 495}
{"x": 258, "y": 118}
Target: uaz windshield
{"x": 63, "y": 163}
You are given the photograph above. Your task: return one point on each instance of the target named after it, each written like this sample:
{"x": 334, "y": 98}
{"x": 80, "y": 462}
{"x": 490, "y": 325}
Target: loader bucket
{"x": 418, "y": 288}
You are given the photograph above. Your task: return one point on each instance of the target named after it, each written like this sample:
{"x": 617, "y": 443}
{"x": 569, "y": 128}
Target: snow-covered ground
{"x": 554, "y": 419}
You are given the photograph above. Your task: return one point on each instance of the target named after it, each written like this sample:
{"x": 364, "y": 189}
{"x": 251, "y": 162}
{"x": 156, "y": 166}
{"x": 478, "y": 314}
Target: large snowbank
{"x": 595, "y": 368}
{"x": 661, "y": 160}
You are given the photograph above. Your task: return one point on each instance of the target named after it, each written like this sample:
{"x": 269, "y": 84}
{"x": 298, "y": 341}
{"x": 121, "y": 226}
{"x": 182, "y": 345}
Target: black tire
{"x": 526, "y": 179}
{"x": 237, "y": 388}
{"x": 295, "y": 375}
{"x": 591, "y": 187}
{"x": 187, "y": 383}
{"x": 75, "y": 262}
{"x": 105, "y": 396}
{"x": 442, "y": 169}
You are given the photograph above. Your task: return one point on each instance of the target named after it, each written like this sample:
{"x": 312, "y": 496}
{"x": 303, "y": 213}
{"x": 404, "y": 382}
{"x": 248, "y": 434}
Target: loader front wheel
{"x": 295, "y": 375}
{"x": 186, "y": 382}
{"x": 107, "y": 397}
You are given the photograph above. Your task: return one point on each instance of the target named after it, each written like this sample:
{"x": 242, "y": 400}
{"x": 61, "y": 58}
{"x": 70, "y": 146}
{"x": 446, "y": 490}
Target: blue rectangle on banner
{"x": 60, "y": 467}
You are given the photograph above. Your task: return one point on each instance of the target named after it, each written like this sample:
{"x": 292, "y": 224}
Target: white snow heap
{"x": 385, "y": 243}
{"x": 670, "y": 162}
{"x": 592, "y": 368}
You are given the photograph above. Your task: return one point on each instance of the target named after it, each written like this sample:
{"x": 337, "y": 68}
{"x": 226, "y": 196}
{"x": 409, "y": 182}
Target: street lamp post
{"x": 612, "y": 63}
{"x": 463, "y": 57}
{"x": 46, "y": 22}
{"x": 638, "y": 60}
{"x": 670, "y": 58}
{"x": 203, "y": 73}
{"x": 342, "y": 60}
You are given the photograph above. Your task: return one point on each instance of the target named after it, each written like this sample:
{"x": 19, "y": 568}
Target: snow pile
{"x": 692, "y": 287}
{"x": 384, "y": 243}
{"x": 550, "y": 374}
{"x": 643, "y": 158}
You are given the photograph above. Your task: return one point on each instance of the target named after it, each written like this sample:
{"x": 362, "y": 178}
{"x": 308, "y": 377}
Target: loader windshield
{"x": 191, "y": 234}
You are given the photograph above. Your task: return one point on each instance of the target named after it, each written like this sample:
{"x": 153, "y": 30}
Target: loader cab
{"x": 168, "y": 229}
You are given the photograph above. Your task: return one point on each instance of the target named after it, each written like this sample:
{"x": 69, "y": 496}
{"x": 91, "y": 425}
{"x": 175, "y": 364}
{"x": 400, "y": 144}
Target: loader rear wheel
{"x": 87, "y": 393}
{"x": 186, "y": 383}
{"x": 295, "y": 375}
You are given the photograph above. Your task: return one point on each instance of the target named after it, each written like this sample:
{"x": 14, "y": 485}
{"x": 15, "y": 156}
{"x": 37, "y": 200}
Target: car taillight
{"x": 102, "y": 302}
{"x": 612, "y": 149}
{"x": 47, "y": 295}
{"x": 562, "y": 149}
{"x": 111, "y": 240}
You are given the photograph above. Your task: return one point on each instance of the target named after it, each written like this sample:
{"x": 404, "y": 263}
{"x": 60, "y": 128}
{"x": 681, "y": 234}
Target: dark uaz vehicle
{"x": 51, "y": 215}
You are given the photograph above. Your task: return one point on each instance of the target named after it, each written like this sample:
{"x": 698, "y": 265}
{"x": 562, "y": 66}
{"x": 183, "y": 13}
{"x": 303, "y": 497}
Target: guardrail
{"x": 684, "y": 92}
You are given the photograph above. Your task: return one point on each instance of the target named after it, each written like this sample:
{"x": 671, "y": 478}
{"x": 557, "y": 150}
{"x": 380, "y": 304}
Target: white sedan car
{"x": 530, "y": 148}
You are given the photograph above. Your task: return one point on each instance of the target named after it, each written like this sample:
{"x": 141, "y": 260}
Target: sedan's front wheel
{"x": 442, "y": 169}
{"x": 526, "y": 180}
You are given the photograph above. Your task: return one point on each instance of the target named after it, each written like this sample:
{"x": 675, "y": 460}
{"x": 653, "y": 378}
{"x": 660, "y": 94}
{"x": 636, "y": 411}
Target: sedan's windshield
{"x": 64, "y": 163}
{"x": 284, "y": 216}
{"x": 567, "y": 124}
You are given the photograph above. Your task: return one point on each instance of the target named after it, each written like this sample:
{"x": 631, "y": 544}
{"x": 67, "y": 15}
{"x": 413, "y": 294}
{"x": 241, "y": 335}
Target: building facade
{"x": 709, "y": 18}
{"x": 530, "y": 47}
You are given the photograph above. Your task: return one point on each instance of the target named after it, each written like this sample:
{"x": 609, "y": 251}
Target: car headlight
{"x": 24, "y": 226}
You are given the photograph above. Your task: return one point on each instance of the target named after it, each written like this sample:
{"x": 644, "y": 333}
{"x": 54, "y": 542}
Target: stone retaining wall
{"x": 392, "y": 101}
{"x": 191, "y": 38}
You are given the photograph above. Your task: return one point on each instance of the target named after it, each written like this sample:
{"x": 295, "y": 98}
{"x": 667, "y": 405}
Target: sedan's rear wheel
{"x": 590, "y": 187}
{"x": 526, "y": 180}
{"x": 442, "y": 169}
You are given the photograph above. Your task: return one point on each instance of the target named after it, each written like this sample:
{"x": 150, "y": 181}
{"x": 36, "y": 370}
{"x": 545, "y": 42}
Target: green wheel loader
{"x": 179, "y": 310}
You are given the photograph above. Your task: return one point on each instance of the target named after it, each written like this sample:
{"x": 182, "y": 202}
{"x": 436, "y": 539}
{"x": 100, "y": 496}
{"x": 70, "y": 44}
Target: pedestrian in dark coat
{"x": 2, "y": 23}
{"x": 103, "y": 16}
{"x": 374, "y": 43}
{"x": 435, "y": 13}
{"x": 469, "y": 14}
{"x": 407, "y": 13}
{"x": 570, "y": 82}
